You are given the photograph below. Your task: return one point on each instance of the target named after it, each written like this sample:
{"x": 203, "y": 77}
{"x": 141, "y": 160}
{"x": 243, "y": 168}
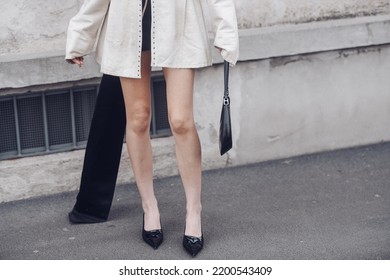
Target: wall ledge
{"x": 294, "y": 39}
{"x": 18, "y": 71}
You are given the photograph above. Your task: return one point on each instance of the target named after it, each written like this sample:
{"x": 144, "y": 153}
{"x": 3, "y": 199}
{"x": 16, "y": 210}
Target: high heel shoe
{"x": 152, "y": 237}
{"x": 192, "y": 244}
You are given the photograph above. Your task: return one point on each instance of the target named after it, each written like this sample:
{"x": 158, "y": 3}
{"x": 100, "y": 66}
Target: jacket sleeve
{"x": 84, "y": 28}
{"x": 225, "y": 29}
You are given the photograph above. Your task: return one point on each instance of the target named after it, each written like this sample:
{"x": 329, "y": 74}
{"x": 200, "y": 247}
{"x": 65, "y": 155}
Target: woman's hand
{"x": 219, "y": 49}
{"x": 78, "y": 61}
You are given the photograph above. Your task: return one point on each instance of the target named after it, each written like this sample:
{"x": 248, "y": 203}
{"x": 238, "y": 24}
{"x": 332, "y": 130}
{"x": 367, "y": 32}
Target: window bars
{"x": 59, "y": 120}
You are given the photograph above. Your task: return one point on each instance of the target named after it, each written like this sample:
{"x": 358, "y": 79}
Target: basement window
{"x": 59, "y": 120}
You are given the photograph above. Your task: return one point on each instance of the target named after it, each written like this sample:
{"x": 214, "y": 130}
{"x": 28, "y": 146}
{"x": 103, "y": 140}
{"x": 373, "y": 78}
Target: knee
{"x": 181, "y": 125}
{"x": 138, "y": 120}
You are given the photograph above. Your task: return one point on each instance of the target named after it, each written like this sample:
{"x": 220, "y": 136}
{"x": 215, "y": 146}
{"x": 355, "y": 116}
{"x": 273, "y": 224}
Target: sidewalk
{"x": 333, "y": 205}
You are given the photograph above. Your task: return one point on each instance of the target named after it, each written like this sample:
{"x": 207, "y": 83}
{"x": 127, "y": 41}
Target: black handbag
{"x": 225, "y": 129}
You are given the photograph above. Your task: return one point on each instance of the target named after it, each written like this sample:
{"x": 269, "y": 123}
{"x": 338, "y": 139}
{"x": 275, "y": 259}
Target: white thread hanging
{"x": 144, "y": 9}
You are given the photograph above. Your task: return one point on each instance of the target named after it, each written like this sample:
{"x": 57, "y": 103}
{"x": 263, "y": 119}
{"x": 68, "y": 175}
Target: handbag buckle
{"x": 226, "y": 101}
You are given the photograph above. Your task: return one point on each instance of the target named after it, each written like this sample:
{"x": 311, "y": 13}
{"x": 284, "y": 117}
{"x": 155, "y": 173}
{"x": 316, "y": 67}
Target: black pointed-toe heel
{"x": 152, "y": 237}
{"x": 192, "y": 244}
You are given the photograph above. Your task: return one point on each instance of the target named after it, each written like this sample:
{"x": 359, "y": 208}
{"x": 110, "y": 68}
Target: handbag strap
{"x": 226, "y": 98}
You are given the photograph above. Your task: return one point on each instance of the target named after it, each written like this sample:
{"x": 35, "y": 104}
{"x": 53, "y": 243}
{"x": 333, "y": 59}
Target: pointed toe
{"x": 153, "y": 237}
{"x": 193, "y": 245}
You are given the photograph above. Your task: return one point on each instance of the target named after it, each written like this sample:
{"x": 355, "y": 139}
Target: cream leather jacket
{"x": 179, "y": 34}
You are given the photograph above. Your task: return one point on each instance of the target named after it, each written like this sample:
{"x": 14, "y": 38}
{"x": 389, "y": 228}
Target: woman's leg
{"x": 136, "y": 93}
{"x": 180, "y": 83}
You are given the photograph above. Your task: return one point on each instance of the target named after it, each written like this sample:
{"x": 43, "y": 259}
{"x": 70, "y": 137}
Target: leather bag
{"x": 225, "y": 129}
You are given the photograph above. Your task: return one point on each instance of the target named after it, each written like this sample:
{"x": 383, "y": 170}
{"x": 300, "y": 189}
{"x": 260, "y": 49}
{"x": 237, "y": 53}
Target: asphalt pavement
{"x": 326, "y": 206}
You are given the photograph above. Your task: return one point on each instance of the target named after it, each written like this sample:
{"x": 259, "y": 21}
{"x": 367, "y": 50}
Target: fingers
{"x": 78, "y": 61}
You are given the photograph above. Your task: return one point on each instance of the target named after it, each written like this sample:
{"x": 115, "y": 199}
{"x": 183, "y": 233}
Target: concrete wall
{"x": 298, "y": 88}
{"x": 255, "y": 13}
{"x": 312, "y": 103}
{"x": 38, "y": 26}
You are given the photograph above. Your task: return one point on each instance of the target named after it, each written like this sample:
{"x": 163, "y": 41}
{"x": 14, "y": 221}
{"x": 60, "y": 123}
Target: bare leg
{"x": 136, "y": 93}
{"x": 180, "y": 83}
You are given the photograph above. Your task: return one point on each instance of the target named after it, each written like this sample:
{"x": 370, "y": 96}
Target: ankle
{"x": 150, "y": 206}
{"x": 194, "y": 210}
{"x": 151, "y": 217}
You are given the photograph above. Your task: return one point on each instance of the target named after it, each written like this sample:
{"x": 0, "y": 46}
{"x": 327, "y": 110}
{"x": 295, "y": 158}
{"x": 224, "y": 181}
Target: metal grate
{"x": 53, "y": 121}
{"x": 160, "y": 123}
{"x": 59, "y": 120}
{"x": 7, "y": 128}
{"x": 84, "y": 103}
{"x": 31, "y": 127}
